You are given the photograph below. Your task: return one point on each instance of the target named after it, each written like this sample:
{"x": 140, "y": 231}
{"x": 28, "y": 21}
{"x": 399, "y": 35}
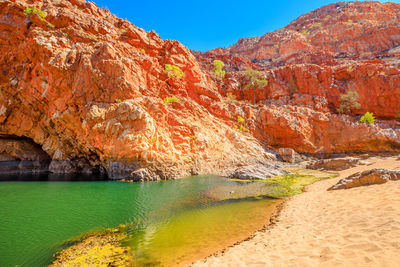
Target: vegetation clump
{"x": 368, "y": 118}
{"x": 170, "y": 99}
{"x": 32, "y": 11}
{"x": 350, "y": 68}
{"x": 173, "y": 72}
{"x": 348, "y": 102}
{"x": 274, "y": 187}
{"x": 293, "y": 184}
{"x": 239, "y": 126}
{"x": 305, "y": 32}
{"x": 118, "y": 100}
{"x": 242, "y": 128}
{"x": 29, "y": 11}
{"x": 398, "y": 116}
{"x": 255, "y": 80}
{"x": 122, "y": 31}
{"x": 218, "y": 69}
{"x": 98, "y": 249}
{"x": 240, "y": 120}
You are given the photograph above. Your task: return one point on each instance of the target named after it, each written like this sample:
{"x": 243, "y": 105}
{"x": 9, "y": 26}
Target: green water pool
{"x": 171, "y": 222}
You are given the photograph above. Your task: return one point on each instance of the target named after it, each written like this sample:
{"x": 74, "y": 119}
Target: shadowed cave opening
{"x": 21, "y": 159}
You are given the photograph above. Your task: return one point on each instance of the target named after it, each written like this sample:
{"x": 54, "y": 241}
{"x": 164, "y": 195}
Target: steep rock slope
{"x": 330, "y": 35}
{"x": 348, "y": 46}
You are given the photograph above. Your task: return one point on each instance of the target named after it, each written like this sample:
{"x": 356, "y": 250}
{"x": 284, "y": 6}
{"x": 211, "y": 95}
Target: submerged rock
{"x": 97, "y": 249}
{"x": 257, "y": 172}
{"x": 369, "y": 177}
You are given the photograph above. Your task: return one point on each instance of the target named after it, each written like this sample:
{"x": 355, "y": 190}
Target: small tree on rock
{"x": 173, "y": 72}
{"x": 218, "y": 69}
{"x": 348, "y": 102}
{"x": 368, "y": 118}
{"x": 256, "y": 80}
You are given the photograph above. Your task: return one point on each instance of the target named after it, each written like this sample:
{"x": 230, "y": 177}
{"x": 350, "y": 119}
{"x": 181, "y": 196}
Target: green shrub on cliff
{"x": 242, "y": 128}
{"x": 32, "y": 11}
{"x": 305, "y": 32}
{"x": 348, "y": 102}
{"x": 240, "y": 119}
{"x": 398, "y": 116}
{"x": 173, "y": 72}
{"x": 255, "y": 80}
{"x": 218, "y": 69}
{"x": 240, "y": 124}
{"x": 170, "y": 99}
{"x": 368, "y": 118}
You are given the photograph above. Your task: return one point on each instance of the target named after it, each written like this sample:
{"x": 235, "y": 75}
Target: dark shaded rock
{"x": 130, "y": 171}
{"x": 21, "y": 156}
{"x": 374, "y": 176}
{"x": 73, "y": 167}
{"x": 21, "y": 149}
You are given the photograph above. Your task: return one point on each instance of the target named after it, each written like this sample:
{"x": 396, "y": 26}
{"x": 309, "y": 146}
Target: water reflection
{"x": 51, "y": 177}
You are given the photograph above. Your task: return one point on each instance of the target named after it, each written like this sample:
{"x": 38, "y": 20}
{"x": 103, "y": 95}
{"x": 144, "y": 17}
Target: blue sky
{"x": 207, "y": 24}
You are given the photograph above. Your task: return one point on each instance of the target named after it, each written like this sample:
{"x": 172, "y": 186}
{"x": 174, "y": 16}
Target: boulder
{"x": 369, "y": 177}
{"x": 288, "y": 155}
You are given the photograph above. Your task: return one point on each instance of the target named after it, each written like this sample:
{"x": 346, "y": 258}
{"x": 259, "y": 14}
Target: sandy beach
{"x": 353, "y": 227}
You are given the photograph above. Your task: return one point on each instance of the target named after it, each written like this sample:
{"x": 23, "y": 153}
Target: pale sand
{"x": 354, "y": 227}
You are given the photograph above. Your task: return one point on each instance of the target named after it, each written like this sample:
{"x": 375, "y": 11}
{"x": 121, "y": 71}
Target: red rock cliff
{"x": 309, "y": 64}
{"x": 89, "y": 88}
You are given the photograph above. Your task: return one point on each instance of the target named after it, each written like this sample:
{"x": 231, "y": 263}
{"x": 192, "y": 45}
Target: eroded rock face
{"x": 309, "y": 64}
{"x": 330, "y": 35}
{"x": 19, "y": 156}
{"x": 370, "y": 177}
{"x": 88, "y": 88}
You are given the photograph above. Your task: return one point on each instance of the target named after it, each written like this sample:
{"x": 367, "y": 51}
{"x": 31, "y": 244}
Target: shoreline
{"x": 270, "y": 247}
{"x": 272, "y": 221}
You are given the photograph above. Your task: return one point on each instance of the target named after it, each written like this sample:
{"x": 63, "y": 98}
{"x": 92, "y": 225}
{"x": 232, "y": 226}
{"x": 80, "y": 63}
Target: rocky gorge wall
{"x": 90, "y": 88}
{"x": 308, "y": 65}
